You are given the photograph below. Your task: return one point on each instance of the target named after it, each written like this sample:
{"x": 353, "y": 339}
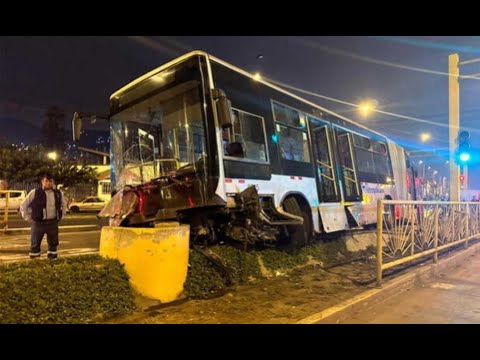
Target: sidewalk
{"x": 359, "y": 307}
{"x": 449, "y": 297}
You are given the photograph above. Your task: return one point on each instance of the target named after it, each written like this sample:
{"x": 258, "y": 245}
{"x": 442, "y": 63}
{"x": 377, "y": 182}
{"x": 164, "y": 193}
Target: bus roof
{"x": 243, "y": 72}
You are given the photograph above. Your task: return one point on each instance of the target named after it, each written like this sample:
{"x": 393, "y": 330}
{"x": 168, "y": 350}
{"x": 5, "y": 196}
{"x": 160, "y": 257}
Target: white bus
{"x": 190, "y": 137}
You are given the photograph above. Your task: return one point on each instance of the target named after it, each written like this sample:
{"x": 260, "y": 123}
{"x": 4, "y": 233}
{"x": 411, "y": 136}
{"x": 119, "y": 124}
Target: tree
{"x": 69, "y": 173}
{"x": 29, "y": 163}
{"x": 22, "y": 163}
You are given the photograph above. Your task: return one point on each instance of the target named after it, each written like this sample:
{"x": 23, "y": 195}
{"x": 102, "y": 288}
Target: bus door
{"x": 348, "y": 175}
{"x": 327, "y": 185}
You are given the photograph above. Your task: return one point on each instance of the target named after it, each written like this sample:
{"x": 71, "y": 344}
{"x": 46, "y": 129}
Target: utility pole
{"x": 464, "y": 175}
{"x": 453, "y": 124}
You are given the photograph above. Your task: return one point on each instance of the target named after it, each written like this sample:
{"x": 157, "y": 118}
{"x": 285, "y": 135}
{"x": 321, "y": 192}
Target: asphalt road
{"x": 17, "y": 247}
{"x": 16, "y": 221}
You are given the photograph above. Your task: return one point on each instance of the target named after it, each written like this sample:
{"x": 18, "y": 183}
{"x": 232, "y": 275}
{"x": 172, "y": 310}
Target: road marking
{"x": 12, "y": 246}
{"x": 22, "y": 237}
{"x": 60, "y": 227}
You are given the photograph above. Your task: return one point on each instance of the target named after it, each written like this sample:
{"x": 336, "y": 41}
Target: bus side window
{"x": 344, "y": 150}
{"x": 246, "y": 138}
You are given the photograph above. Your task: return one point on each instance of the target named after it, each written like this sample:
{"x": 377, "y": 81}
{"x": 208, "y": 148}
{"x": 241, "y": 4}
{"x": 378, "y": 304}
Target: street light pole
{"x": 454, "y": 124}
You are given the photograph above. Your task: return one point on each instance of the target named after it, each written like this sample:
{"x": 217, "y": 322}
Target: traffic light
{"x": 462, "y": 178}
{"x": 463, "y": 153}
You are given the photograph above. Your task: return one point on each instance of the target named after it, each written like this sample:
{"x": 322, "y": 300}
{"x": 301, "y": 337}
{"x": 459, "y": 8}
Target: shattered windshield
{"x": 159, "y": 135}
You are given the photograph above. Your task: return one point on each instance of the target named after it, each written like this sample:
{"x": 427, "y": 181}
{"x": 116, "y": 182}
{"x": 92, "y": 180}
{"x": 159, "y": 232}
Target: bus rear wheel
{"x": 299, "y": 235}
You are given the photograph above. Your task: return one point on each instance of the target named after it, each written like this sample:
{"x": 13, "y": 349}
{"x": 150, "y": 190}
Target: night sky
{"x": 80, "y": 74}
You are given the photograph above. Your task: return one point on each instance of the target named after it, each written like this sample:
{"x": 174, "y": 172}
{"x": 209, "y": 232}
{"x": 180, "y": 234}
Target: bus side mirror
{"x": 224, "y": 109}
{"x": 76, "y": 126}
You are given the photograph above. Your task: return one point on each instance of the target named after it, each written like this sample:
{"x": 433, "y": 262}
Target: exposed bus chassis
{"x": 251, "y": 221}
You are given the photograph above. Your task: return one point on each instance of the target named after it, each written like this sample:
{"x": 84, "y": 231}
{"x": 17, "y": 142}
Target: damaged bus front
{"x": 164, "y": 144}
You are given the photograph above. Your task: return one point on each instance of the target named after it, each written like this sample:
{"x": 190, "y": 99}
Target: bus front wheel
{"x": 299, "y": 234}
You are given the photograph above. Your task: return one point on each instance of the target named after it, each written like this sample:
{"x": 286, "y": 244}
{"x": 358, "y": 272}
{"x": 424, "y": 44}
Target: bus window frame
{"x": 329, "y": 133}
{"x": 384, "y": 141}
{"x": 267, "y": 155}
{"x": 306, "y": 130}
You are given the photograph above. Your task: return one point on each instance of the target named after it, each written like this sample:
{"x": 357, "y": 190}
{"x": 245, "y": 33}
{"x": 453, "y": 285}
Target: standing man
{"x": 43, "y": 208}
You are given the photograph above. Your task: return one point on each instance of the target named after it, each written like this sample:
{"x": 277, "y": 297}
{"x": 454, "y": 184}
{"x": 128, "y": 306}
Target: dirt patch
{"x": 282, "y": 299}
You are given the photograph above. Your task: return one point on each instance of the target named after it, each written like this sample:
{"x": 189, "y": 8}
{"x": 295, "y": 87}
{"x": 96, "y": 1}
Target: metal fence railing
{"x": 408, "y": 230}
{"x": 24, "y": 185}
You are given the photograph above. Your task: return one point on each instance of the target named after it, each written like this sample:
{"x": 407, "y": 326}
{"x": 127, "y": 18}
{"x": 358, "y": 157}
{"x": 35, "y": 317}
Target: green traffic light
{"x": 464, "y": 156}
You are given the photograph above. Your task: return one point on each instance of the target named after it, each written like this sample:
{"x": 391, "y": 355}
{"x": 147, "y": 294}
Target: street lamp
{"x": 425, "y": 137}
{"x": 52, "y": 155}
{"x": 366, "y": 107}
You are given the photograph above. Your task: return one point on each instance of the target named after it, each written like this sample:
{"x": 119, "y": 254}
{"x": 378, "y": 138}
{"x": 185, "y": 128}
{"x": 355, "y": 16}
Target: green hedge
{"x": 203, "y": 278}
{"x": 81, "y": 289}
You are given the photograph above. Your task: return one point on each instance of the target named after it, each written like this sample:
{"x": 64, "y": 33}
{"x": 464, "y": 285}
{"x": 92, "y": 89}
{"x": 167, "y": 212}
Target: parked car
{"x": 91, "y": 203}
{"x": 14, "y": 200}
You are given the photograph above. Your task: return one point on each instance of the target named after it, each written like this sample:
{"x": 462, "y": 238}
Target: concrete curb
{"x": 61, "y": 229}
{"x": 370, "y": 298}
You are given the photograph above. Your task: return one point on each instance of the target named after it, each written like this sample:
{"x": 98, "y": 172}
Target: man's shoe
{"x": 51, "y": 256}
{"x": 34, "y": 257}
